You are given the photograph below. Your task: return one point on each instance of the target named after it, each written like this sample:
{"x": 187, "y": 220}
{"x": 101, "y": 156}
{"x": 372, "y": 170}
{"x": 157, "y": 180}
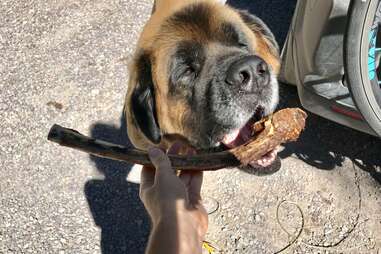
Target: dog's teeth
{"x": 229, "y": 138}
{"x": 266, "y": 160}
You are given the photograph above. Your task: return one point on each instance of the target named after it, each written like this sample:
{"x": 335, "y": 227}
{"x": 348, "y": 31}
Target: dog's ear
{"x": 259, "y": 27}
{"x": 142, "y": 102}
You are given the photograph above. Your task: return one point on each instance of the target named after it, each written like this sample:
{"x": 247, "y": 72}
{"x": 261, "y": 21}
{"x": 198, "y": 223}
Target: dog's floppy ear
{"x": 142, "y": 102}
{"x": 259, "y": 27}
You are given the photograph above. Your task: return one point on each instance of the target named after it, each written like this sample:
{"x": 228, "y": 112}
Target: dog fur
{"x": 162, "y": 106}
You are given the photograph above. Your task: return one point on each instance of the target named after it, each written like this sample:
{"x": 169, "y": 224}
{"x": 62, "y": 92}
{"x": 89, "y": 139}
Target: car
{"x": 332, "y": 54}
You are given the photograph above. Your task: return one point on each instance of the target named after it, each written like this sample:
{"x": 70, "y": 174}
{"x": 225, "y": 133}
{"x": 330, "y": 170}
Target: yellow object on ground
{"x": 209, "y": 247}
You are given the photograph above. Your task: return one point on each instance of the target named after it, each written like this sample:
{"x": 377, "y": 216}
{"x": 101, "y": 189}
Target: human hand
{"x": 174, "y": 204}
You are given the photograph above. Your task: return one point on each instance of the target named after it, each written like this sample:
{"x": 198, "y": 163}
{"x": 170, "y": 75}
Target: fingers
{"x": 193, "y": 182}
{"x": 181, "y": 149}
{"x": 160, "y": 160}
{"x": 147, "y": 178}
{"x": 191, "y": 179}
{"x": 196, "y": 182}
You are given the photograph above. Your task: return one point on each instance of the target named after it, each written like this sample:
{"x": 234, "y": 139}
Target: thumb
{"x": 162, "y": 164}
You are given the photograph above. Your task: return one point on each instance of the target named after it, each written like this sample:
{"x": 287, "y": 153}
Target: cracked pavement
{"x": 65, "y": 62}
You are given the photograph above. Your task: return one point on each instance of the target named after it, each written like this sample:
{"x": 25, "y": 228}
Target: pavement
{"x": 65, "y": 62}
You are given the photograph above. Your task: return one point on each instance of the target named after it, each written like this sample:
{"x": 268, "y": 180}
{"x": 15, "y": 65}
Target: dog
{"x": 202, "y": 73}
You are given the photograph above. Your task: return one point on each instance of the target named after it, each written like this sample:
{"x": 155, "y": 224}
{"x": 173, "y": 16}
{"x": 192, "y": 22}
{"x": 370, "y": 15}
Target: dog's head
{"x": 202, "y": 72}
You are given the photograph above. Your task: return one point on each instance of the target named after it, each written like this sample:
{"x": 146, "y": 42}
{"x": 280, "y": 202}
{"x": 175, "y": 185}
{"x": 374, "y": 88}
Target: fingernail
{"x": 154, "y": 152}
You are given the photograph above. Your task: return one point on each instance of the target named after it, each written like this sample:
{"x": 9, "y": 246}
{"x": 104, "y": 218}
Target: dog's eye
{"x": 189, "y": 70}
{"x": 184, "y": 74}
{"x": 243, "y": 45}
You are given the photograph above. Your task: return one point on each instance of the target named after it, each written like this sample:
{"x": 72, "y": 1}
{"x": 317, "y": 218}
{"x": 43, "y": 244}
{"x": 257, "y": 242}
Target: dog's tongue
{"x": 237, "y": 137}
{"x": 241, "y": 136}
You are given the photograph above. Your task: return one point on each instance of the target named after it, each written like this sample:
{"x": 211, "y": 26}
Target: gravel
{"x": 65, "y": 62}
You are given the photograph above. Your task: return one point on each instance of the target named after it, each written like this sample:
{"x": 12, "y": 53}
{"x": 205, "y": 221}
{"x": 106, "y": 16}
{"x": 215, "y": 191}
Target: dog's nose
{"x": 248, "y": 73}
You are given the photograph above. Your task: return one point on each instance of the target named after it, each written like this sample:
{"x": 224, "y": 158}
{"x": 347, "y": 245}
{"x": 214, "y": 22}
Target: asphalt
{"x": 65, "y": 62}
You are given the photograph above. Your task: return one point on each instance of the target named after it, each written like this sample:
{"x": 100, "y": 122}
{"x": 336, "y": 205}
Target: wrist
{"x": 181, "y": 232}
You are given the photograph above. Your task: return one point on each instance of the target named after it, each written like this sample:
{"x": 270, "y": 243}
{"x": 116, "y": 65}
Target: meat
{"x": 281, "y": 127}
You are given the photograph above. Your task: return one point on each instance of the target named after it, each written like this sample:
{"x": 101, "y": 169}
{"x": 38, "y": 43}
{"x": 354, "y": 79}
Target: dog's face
{"x": 202, "y": 73}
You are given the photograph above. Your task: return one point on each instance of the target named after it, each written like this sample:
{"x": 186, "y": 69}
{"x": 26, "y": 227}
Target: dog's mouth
{"x": 231, "y": 139}
{"x": 240, "y": 136}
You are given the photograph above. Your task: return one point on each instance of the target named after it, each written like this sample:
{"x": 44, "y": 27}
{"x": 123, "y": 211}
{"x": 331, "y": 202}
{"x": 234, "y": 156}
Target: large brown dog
{"x": 201, "y": 73}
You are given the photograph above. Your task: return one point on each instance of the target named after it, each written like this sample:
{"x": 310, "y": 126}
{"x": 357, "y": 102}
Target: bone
{"x": 279, "y": 128}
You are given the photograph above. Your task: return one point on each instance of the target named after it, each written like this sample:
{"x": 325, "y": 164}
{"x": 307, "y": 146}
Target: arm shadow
{"x": 113, "y": 201}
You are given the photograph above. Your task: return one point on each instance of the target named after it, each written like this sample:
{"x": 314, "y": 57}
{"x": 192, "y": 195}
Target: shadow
{"x": 259, "y": 171}
{"x": 277, "y": 14}
{"x": 325, "y": 144}
{"x": 114, "y": 202}
{"x": 336, "y": 25}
